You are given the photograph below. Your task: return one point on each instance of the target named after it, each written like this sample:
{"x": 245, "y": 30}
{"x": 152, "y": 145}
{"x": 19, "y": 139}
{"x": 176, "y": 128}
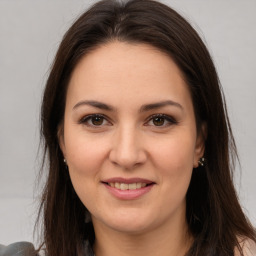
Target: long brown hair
{"x": 214, "y": 215}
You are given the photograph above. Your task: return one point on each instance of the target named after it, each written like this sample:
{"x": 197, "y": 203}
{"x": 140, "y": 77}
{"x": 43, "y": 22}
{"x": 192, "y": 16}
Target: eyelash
{"x": 85, "y": 120}
{"x": 170, "y": 120}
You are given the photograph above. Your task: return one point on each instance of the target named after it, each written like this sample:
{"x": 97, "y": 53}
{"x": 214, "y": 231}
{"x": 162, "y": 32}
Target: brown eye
{"x": 97, "y": 120}
{"x": 161, "y": 121}
{"x": 94, "y": 120}
{"x": 158, "y": 121}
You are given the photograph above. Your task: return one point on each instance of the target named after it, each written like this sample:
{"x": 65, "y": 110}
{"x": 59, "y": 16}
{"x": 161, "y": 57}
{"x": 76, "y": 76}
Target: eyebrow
{"x": 148, "y": 107}
{"x": 143, "y": 108}
{"x": 95, "y": 104}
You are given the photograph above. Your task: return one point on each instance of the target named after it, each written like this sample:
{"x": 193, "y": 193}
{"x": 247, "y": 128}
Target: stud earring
{"x": 201, "y": 161}
{"x": 65, "y": 162}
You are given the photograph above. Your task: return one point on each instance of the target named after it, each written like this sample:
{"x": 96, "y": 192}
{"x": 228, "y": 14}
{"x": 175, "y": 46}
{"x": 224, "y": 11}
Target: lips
{"x": 128, "y": 188}
{"x": 124, "y": 184}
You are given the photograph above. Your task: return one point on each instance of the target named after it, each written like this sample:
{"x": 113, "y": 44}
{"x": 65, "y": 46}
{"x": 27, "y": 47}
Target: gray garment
{"x": 18, "y": 249}
{"x": 27, "y": 249}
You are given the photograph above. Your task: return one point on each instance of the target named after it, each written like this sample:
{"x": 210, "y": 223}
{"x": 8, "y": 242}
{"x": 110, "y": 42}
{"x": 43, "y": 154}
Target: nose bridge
{"x": 127, "y": 151}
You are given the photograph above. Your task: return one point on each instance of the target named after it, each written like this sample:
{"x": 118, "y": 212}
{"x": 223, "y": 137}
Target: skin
{"x": 130, "y": 142}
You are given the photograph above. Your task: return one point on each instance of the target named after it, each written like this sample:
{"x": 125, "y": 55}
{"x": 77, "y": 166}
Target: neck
{"x": 167, "y": 240}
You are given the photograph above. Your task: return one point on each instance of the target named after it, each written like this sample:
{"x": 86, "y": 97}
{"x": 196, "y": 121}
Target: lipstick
{"x": 128, "y": 189}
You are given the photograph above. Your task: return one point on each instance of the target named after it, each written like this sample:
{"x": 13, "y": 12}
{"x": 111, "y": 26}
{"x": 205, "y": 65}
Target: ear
{"x": 200, "y": 144}
{"x": 60, "y": 135}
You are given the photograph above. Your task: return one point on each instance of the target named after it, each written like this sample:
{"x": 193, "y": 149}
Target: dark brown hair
{"x": 214, "y": 215}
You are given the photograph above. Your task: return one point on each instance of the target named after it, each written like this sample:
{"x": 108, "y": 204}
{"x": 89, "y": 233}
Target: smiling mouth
{"x": 125, "y": 186}
{"x": 128, "y": 186}
{"x": 128, "y": 189}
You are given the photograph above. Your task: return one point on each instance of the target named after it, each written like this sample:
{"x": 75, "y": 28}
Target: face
{"x": 130, "y": 137}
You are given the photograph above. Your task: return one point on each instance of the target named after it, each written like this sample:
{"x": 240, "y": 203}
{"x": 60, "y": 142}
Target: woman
{"x": 138, "y": 140}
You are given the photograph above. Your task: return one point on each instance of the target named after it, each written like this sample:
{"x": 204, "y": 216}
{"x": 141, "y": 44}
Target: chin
{"x": 130, "y": 227}
{"x": 130, "y": 223}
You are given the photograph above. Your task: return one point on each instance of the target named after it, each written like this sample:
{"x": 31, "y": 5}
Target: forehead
{"x": 125, "y": 72}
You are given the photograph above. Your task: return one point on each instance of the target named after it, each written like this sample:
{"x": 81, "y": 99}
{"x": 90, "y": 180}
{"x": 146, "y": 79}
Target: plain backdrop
{"x": 30, "y": 32}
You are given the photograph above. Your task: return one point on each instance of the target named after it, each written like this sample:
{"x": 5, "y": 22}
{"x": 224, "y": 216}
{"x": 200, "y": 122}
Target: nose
{"x": 127, "y": 149}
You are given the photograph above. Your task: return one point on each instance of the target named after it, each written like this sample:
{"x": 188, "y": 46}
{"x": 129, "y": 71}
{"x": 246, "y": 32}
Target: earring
{"x": 65, "y": 163}
{"x": 201, "y": 161}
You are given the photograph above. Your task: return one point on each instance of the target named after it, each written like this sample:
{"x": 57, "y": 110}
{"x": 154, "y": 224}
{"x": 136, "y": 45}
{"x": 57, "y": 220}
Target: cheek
{"x": 173, "y": 159}
{"x": 175, "y": 153}
{"x": 84, "y": 154}
{"x": 85, "y": 158}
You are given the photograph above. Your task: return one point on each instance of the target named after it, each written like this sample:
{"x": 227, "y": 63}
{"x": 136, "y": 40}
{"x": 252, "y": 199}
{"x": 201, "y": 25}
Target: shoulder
{"x": 248, "y": 246}
{"x": 18, "y": 249}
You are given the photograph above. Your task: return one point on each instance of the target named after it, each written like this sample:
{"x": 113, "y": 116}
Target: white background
{"x": 30, "y": 32}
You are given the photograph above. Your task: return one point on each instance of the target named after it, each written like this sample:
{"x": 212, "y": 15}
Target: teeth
{"x": 132, "y": 186}
{"x": 125, "y": 186}
{"x": 138, "y": 185}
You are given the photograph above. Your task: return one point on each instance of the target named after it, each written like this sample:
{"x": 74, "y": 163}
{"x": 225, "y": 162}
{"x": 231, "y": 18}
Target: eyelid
{"x": 84, "y": 120}
{"x": 171, "y": 120}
